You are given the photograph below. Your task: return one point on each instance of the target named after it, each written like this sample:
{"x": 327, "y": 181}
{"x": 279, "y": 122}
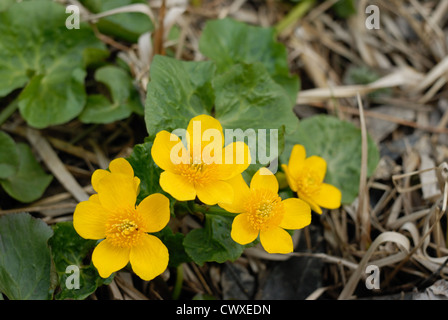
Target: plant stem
{"x": 179, "y": 280}
{"x": 295, "y": 14}
{"x": 8, "y": 111}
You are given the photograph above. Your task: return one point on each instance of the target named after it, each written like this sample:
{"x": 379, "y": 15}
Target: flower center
{"x": 264, "y": 208}
{"x": 308, "y": 183}
{"x": 124, "y": 230}
{"x": 197, "y": 173}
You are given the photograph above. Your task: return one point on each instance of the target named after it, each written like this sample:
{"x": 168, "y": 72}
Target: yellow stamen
{"x": 197, "y": 173}
{"x": 264, "y": 208}
{"x": 124, "y": 229}
{"x": 308, "y": 183}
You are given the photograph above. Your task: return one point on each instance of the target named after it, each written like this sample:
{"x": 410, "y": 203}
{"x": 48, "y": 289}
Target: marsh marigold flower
{"x": 111, "y": 214}
{"x": 262, "y": 212}
{"x": 306, "y": 175}
{"x": 203, "y": 167}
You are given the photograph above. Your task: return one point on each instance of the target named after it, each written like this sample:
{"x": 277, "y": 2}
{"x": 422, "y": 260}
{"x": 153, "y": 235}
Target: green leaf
{"x": 213, "y": 242}
{"x": 344, "y": 8}
{"x": 39, "y": 53}
{"x": 25, "y": 260}
{"x": 30, "y": 181}
{"x": 126, "y": 26}
{"x": 177, "y": 88}
{"x": 339, "y": 143}
{"x": 69, "y": 249}
{"x": 229, "y": 42}
{"x": 125, "y": 100}
{"x": 9, "y": 157}
{"x": 5, "y": 4}
{"x": 246, "y": 97}
{"x": 146, "y": 170}
{"x": 94, "y": 57}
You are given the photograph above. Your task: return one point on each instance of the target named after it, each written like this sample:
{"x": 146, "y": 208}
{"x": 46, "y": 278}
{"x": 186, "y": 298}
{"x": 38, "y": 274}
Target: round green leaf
{"x": 38, "y": 52}
{"x": 247, "y": 97}
{"x": 25, "y": 260}
{"x": 99, "y": 109}
{"x": 177, "y": 88}
{"x": 30, "y": 181}
{"x": 228, "y": 42}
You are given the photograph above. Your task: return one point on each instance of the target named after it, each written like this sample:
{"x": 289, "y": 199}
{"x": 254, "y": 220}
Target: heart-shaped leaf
{"x": 30, "y": 181}
{"x": 177, "y": 88}
{"x": 25, "y": 260}
{"x": 39, "y": 53}
{"x": 228, "y": 42}
{"x": 123, "y": 101}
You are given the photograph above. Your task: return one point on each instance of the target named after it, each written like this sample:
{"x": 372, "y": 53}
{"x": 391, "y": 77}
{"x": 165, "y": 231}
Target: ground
{"x": 398, "y": 69}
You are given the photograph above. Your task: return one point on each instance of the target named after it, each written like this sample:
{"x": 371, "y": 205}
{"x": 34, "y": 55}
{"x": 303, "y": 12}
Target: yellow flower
{"x": 111, "y": 215}
{"x": 262, "y": 212}
{"x": 306, "y": 175}
{"x": 204, "y": 167}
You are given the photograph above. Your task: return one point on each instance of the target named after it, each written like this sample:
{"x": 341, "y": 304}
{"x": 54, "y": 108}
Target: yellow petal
{"x": 242, "y": 231}
{"x": 177, "y": 186}
{"x": 155, "y": 211}
{"x": 89, "y": 219}
{"x": 168, "y": 151}
{"x": 137, "y": 185}
{"x": 121, "y": 165}
{"x": 196, "y": 129}
{"x": 311, "y": 202}
{"x": 240, "y": 191}
{"x": 214, "y": 192}
{"x": 117, "y": 192}
{"x": 291, "y": 182}
{"x": 297, "y": 214}
{"x": 264, "y": 179}
{"x": 235, "y": 160}
{"x": 328, "y": 197}
{"x": 296, "y": 160}
{"x": 108, "y": 258}
{"x": 149, "y": 258}
{"x": 318, "y": 166}
{"x": 97, "y": 176}
{"x": 276, "y": 240}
